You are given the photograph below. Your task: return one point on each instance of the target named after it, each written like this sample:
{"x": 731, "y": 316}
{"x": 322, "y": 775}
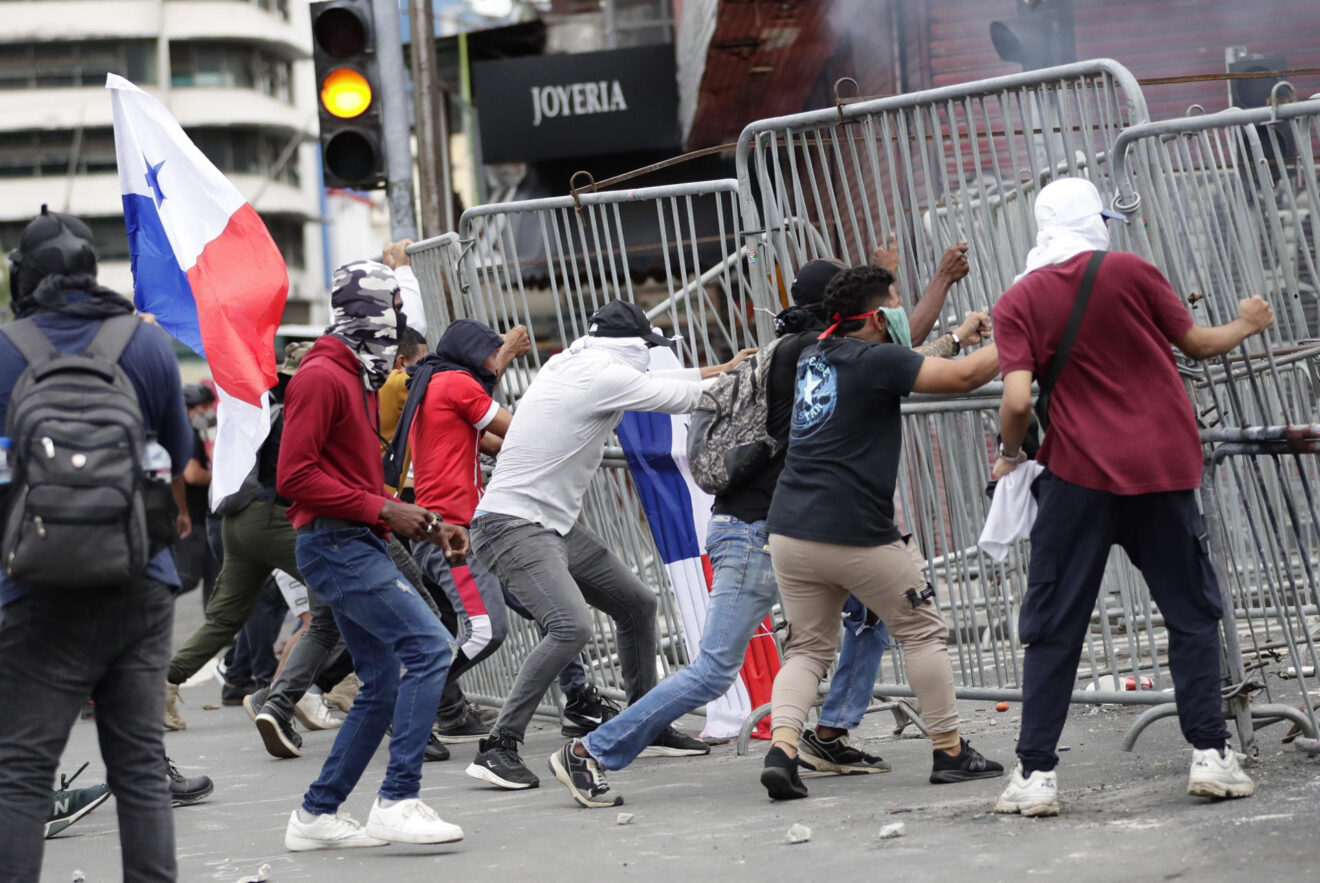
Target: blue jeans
{"x": 742, "y": 593}
{"x": 859, "y": 663}
{"x": 385, "y": 626}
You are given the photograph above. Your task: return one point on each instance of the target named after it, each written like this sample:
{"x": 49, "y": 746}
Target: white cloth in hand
{"x": 1012, "y": 511}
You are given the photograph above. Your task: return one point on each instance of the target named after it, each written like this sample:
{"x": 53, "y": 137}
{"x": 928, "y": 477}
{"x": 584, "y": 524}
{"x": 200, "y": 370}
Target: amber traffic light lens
{"x": 345, "y": 93}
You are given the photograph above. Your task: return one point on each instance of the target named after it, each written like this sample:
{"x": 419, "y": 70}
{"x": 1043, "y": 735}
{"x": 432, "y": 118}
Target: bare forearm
{"x": 1204, "y": 343}
{"x": 926, "y": 313}
{"x": 939, "y": 348}
{"x": 1014, "y": 418}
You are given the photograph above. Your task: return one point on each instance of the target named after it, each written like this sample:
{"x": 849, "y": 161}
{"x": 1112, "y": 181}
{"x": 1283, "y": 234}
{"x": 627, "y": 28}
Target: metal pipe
{"x": 394, "y": 120}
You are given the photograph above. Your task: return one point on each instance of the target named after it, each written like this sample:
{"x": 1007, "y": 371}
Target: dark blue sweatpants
{"x": 1165, "y": 537}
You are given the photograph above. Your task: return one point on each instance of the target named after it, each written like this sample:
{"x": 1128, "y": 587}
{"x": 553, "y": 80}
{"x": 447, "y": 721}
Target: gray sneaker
{"x": 837, "y": 755}
{"x": 583, "y": 778}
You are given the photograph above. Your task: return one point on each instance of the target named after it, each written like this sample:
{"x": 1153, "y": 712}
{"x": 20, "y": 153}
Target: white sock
{"x": 314, "y": 691}
{"x": 305, "y": 817}
{"x": 385, "y": 802}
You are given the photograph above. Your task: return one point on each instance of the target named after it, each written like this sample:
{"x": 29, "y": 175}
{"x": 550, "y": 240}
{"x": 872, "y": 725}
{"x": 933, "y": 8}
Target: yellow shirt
{"x": 392, "y": 397}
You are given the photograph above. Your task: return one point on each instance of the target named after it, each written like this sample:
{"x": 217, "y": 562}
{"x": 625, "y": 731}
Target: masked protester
{"x": 1122, "y": 461}
{"x": 109, "y": 643}
{"x": 330, "y": 469}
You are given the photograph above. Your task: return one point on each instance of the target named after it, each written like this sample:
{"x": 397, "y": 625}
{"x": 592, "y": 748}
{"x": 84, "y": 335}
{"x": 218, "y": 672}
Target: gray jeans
{"x": 556, "y": 578}
{"x": 57, "y": 649}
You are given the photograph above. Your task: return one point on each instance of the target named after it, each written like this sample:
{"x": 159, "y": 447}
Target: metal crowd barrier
{"x": 964, "y": 163}
{"x": 547, "y": 264}
{"x": 958, "y": 163}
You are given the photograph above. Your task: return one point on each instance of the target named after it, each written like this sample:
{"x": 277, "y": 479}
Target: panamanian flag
{"x": 677, "y": 512}
{"x": 205, "y": 265}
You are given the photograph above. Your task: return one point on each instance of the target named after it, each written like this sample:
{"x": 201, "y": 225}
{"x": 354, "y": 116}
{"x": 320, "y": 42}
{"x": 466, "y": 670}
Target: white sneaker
{"x": 410, "y": 821}
{"x": 337, "y": 831}
{"x": 314, "y": 714}
{"x": 1216, "y": 773}
{"x": 1035, "y": 795}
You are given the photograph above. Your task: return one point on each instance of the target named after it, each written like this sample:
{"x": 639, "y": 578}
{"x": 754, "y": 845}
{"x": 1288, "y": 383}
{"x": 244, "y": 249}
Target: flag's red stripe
{"x": 240, "y": 284}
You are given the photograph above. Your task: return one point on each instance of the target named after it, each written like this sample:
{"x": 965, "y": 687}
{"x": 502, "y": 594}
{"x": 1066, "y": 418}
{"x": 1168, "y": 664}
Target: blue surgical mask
{"x": 896, "y": 323}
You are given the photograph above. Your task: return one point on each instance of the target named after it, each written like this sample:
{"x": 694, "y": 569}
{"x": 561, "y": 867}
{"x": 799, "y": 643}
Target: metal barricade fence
{"x": 931, "y": 168}
{"x": 1217, "y": 204}
{"x": 963, "y": 162}
{"x": 435, "y": 262}
{"x": 548, "y": 264}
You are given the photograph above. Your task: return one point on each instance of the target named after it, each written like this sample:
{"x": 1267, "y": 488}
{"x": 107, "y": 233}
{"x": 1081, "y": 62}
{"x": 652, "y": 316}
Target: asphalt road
{"x": 1126, "y": 816}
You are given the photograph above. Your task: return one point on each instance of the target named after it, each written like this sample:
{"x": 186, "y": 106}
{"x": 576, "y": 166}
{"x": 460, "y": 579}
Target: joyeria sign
{"x": 557, "y": 106}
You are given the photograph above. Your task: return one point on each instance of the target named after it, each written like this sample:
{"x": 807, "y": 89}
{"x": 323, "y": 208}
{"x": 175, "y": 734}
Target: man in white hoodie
{"x": 526, "y": 532}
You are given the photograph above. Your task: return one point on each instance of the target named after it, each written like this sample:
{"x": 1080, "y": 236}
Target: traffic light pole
{"x": 394, "y": 119}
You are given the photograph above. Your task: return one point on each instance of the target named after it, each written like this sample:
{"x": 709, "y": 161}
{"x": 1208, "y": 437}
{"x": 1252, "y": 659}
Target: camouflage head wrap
{"x": 364, "y": 317}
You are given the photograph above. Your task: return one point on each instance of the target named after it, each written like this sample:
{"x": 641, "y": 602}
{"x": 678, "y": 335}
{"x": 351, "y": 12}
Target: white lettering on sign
{"x": 576, "y": 99}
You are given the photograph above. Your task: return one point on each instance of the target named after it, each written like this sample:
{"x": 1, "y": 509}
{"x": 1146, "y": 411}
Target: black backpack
{"x": 76, "y": 515}
{"x": 728, "y": 441}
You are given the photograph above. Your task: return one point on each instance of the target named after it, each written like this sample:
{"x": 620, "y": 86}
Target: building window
{"x": 108, "y": 234}
{"x": 111, "y": 238}
{"x": 85, "y": 63}
{"x": 46, "y": 153}
{"x": 287, "y": 231}
{"x": 230, "y": 66}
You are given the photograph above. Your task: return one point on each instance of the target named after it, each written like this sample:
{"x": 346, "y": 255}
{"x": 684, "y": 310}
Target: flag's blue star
{"x": 153, "y": 179}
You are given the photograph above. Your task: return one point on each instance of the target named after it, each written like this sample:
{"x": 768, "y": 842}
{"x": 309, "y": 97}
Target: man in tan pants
{"x": 831, "y": 521}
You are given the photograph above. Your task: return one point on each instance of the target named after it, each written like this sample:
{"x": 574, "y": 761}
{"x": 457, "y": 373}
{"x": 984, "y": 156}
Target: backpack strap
{"x": 30, "y": 341}
{"x": 1055, "y": 367}
{"x": 113, "y": 337}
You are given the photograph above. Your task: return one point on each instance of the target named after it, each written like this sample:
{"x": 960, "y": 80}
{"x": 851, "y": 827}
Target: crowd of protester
{"x": 365, "y": 521}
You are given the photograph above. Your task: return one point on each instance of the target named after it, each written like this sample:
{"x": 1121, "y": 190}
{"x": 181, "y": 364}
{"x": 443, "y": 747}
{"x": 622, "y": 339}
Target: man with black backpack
{"x": 84, "y": 387}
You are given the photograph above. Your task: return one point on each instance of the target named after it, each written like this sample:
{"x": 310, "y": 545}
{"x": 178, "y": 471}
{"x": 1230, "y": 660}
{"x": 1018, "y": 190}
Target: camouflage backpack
{"x": 728, "y": 442}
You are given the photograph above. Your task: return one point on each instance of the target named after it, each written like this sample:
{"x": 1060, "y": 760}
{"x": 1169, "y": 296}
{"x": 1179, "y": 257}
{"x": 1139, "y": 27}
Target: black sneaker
{"x": 837, "y": 755}
{"x": 281, "y": 739}
{"x": 187, "y": 790}
{"x": 585, "y": 710}
{"x": 497, "y": 762}
{"x": 486, "y": 715}
{"x": 254, "y": 702}
{"x": 780, "y": 776}
{"x": 466, "y": 728}
{"x": 672, "y": 743}
{"x": 234, "y": 694}
{"x": 68, "y": 805}
{"x": 435, "y": 750}
{"x": 583, "y": 778}
{"x": 968, "y": 765}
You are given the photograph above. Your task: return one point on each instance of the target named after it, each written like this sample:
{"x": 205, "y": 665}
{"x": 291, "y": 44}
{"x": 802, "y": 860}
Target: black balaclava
{"x": 56, "y": 255}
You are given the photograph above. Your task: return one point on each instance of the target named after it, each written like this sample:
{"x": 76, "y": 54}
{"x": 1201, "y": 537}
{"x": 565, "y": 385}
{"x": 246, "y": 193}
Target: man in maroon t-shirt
{"x": 1123, "y": 461}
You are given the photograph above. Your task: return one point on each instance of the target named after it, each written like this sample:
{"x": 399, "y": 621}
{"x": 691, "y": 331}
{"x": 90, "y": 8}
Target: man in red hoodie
{"x": 330, "y": 468}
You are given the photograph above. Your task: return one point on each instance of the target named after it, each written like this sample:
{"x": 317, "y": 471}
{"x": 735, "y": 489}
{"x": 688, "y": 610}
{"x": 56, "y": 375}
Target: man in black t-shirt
{"x": 831, "y": 522}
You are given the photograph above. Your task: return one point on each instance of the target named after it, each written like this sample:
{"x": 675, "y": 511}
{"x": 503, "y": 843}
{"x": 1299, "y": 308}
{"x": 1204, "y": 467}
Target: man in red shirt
{"x": 330, "y": 468}
{"x": 455, "y": 419}
{"x": 1123, "y": 461}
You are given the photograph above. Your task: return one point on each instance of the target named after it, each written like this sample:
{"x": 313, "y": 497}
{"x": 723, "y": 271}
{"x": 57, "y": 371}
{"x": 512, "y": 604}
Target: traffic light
{"x": 344, "y": 55}
{"x": 1041, "y": 35}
